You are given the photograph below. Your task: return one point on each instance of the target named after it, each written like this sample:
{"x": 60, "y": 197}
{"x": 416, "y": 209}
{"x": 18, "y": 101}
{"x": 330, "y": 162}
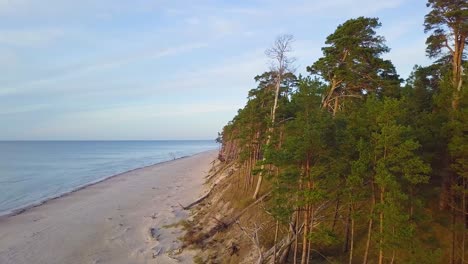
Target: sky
{"x": 156, "y": 69}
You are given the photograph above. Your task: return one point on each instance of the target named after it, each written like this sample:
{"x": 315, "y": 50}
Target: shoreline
{"x": 128, "y": 218}
{"x": 22, "y": 209}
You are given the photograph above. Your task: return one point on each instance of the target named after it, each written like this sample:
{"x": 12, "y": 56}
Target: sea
{"x": 32, "y": 172}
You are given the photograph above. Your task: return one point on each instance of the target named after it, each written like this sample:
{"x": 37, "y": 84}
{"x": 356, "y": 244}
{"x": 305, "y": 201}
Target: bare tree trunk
{"x": 293, "y": 231}
{"x": 381, "y": 217}
{"x": 347, "y": 231}
{"x": 335, "y": 216}
{"x": 454, "y": 236}
{"x": 335, "y": 107}
{"x": 295, "y": 242}
{"x": 253, "y": 236}
{"x": 381, "y": 228}
{"x": 457, "y": 68}
{"x": 326, "y": 102}
{"x": 292, "y": 237}
{"x": 351, "y": 248}
{"x": 304, "y": 237}
{"x": 276, "y": 239}
{"x": 369, "y": 231}
{"x": 312, "y": 219}
{"x": 259, "y": 183}
{"x": 278, "y": 53}
{"x": 465, "y": 219}
{"x": 393, "y": 250}
{"x": 254, "y": 162}
{"x": 270, "y": 132}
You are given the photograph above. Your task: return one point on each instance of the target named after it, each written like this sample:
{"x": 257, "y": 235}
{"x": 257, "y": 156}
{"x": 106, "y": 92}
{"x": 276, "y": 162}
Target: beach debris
{"x": 174, "y": 253}
{"x": 154, "y": 233}
{"x": 157, "y": 251}
{"x": 153, "y": 216}
{"x": 234, "y": 249}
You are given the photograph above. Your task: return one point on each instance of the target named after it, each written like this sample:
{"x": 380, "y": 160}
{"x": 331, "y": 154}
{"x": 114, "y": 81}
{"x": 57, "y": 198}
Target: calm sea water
{"x": 34, "y": 171}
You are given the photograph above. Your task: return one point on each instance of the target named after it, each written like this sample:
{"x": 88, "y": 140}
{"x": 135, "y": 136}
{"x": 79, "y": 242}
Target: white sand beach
{"x": 121, "y": 220}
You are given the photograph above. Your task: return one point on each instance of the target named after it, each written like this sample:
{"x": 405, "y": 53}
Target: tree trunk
{"x": 454, "y": 236}
{"x": 276, "y": 239}
{"x": 335, "y": 107}
{"x": 311, "y": 226}
{"x": 285, "y": 249}
{"x": 351, "y": 248}
{"x": 304, "y": 237}
{"x": 381, "y": 228}
{"x": 259, "y": 182}
{"x": 270, "y": 132}
{"x": 457, "y": 68}
{"x": 307, "y": 211}
{"x": 295, "y": 242}
{"x": 369, "y": 231}
{"x": 347, "y": 231}
{"x": 465, "y": 219}
{"x": 335, "y": 215}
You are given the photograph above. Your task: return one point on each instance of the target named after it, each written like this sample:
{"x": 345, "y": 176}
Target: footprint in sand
{"x": 119, "y": 233}
{"x": 154, "y": 216}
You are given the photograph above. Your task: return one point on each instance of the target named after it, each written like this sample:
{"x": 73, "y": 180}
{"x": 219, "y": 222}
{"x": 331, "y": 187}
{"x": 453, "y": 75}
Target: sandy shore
{"x": 121, "y": 220}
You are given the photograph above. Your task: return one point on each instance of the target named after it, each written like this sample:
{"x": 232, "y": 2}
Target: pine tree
{"x": 351, "y": 63}
{"x": 448, "y": 24}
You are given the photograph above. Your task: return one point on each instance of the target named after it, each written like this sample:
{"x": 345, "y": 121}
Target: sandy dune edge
{"x": 119, "y": 220}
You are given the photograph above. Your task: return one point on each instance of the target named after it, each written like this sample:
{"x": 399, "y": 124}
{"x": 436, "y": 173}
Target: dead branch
{"x": 199, "y": 200}
{"x": 237, "y": 216}
{"x": 253, "y": 236}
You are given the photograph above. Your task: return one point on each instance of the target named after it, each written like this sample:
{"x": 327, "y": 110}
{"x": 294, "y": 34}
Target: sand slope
{"x": 119, "y": 220}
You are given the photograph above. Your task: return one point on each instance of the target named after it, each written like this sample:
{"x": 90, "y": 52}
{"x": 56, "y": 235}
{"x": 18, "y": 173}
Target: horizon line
{"x": 13, "y": 140}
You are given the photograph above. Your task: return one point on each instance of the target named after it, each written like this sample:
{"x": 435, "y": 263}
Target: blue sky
{"x": 155, "y": 69}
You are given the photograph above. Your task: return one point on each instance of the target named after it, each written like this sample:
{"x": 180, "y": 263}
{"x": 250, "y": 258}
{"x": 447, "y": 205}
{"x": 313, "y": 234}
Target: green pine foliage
{"x": 359, "y": 168}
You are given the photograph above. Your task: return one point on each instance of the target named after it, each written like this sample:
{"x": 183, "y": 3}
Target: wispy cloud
{"x": 99, "y": 65}
{"x": 337, "y": 8}
{"x": 406, "y": 56}
{"x": 22, "y": 109}
{"x": 147, "y": 112}
{"x": 399, "y": 29}
{"x": 279, "y": 8}
{"x": 73, "y": 8}
{"x": 139, "y": 69}
{"x": 30, "y": 37}
{"x": 149, "y": 54}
